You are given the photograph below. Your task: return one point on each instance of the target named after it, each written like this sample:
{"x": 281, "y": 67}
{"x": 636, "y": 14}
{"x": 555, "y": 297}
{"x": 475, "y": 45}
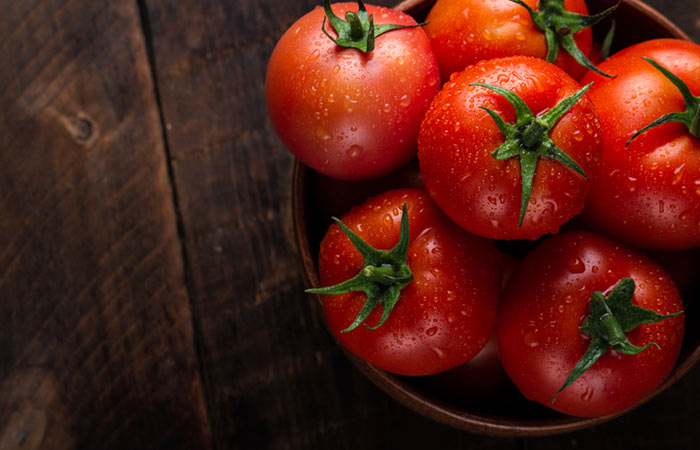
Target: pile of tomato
{"x": 525, "y": 131}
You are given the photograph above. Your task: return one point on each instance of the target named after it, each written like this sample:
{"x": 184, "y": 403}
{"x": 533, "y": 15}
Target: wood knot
{"x": 82, "y": 128}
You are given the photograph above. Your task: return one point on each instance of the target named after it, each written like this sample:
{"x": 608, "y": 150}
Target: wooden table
{"x": 151, "y": 295}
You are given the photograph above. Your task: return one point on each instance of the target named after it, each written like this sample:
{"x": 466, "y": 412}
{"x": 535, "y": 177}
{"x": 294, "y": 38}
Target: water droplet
{"x": 354, "y": 151}
{"x": 439, "y": 352}
{"x": 587, "y": 394}
{"x": 530, "y": 339}
{"x": 322, "y": 134}
{"x": 388, "y": 221}
{"x": 431, "y": 331}
{"x": 576, "y": 265}
{"x": 315, "y": 54}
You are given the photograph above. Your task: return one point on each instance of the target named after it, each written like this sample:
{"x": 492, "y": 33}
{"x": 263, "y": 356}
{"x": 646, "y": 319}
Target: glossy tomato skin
{"x": 348, "y": 114}
{"x": 464, "y": 32}
{"x": 648, "y": 193}
{"x": 483, "y": 194}
{"x": 547, "y": 300}
{"x": 444, "y": 316}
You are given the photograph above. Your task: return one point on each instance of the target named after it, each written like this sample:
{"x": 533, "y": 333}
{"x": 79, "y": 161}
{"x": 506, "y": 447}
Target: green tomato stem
{"x": 383, "y": 275}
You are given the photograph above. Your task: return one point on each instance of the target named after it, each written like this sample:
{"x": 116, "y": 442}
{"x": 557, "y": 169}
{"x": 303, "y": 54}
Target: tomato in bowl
{"x": 506, "y": 413}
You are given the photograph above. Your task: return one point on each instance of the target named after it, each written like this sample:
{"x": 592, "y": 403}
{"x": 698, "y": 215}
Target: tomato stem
{"x": 528, "y": 139}
{"x": 690, "y": 117}
{"x": 559, "y": 27}
{"x": 608, "y": 322}
{"x": 358, "y": 29}
{"x": 383, "y": 275}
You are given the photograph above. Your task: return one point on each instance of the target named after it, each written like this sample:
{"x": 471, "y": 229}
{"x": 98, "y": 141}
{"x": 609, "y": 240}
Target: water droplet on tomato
{"x": 431, "y": 331}
{"x": 587, "y": 394}
{"x": 530, "y": 339}
{"x": 315, "y": 54}
{"x": 440, "y": 352}
{"x": 576, "y": 265}
{"x": 323, "y": 134}
{"x": 354, "y": 151}
{"x": 388, "y": 221}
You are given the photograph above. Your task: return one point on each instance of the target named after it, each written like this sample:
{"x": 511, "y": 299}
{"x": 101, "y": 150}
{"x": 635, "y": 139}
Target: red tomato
{"x": 483, "y": 194}
{"x": 464, "y": 32}
{"x": 345, "y": 113}
{"x": 479, "y": 379}
{"x": 546, "y": 302}
{"x": 648, "y": 193}
{"x": 444, "y": 316}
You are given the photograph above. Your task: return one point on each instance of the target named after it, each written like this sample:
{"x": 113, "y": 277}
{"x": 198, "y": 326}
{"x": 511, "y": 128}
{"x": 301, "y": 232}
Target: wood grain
{"x": 96, "y": 330}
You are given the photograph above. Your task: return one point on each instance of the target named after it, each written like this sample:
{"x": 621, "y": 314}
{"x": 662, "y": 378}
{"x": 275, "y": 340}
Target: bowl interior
{"x": 507, "y": 413}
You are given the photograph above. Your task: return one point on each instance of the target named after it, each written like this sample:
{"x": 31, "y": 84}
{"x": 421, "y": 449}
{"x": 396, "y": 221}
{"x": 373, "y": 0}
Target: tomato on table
{"x": 545, "y": 322}
{"x": 464, "y": 32}
{"x": 347, "y": 112}
{"x": 526, "y": 185}
{"x": 433, "y": 297}
{"x": 648, "y": 191}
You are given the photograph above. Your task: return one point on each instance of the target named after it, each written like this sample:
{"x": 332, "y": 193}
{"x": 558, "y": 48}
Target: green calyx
{"x": 528, "y": 139}
{"x": 383, "y": 276}
{"x": 607, "y": 324}
{"x": 560, "y": 26}
{"x": 358, "y": 29}
{"x": 690, "y": 117}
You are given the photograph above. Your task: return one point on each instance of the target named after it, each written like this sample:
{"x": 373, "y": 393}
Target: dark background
{"x": 151, "y": 294}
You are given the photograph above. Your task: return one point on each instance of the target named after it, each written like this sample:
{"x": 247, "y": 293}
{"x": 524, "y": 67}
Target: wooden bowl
{"x": 316, "y": 198}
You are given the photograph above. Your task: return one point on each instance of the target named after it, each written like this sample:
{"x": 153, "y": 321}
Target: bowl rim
{"x": 420, "y": 401}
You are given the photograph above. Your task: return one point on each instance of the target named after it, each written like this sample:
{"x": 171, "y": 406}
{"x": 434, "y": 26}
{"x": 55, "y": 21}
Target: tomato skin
{"x": 648, "y": 193}
{"x": 444, "y": 316}
{"x": 348, "y": 114}
{"x": 547, "y": 300}
{"x": 464, "y": 32}
{"x": 482, "y": 194}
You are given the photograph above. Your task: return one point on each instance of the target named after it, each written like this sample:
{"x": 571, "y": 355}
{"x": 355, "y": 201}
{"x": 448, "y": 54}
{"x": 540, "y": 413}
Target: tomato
{"x": 477, "y": 381}
{"x": 485, "y": 195}
{"x": 346, "y": 113}
{"x": 648, "y": 192}
{"x": 443, "y": 317}
{"x": 464, "y": 32}
{"x": 548, "y": 299}
{"x": 481, "y": 378}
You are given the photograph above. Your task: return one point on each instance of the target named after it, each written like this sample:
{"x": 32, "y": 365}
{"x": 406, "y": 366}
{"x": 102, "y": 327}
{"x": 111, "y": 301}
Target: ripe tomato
{"x": 464, "y": 32}
{"x": 345, "y": 113}
{"x": 546, "y": 303}
{"x": 444, "y": 316}
{"x": 648, "y": 192}
{"x": 485, "y": 195}
{"x": 475, "y": 382}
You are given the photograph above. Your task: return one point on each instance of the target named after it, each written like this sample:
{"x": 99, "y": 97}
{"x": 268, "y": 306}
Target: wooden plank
{"x": 96, "y": 331}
